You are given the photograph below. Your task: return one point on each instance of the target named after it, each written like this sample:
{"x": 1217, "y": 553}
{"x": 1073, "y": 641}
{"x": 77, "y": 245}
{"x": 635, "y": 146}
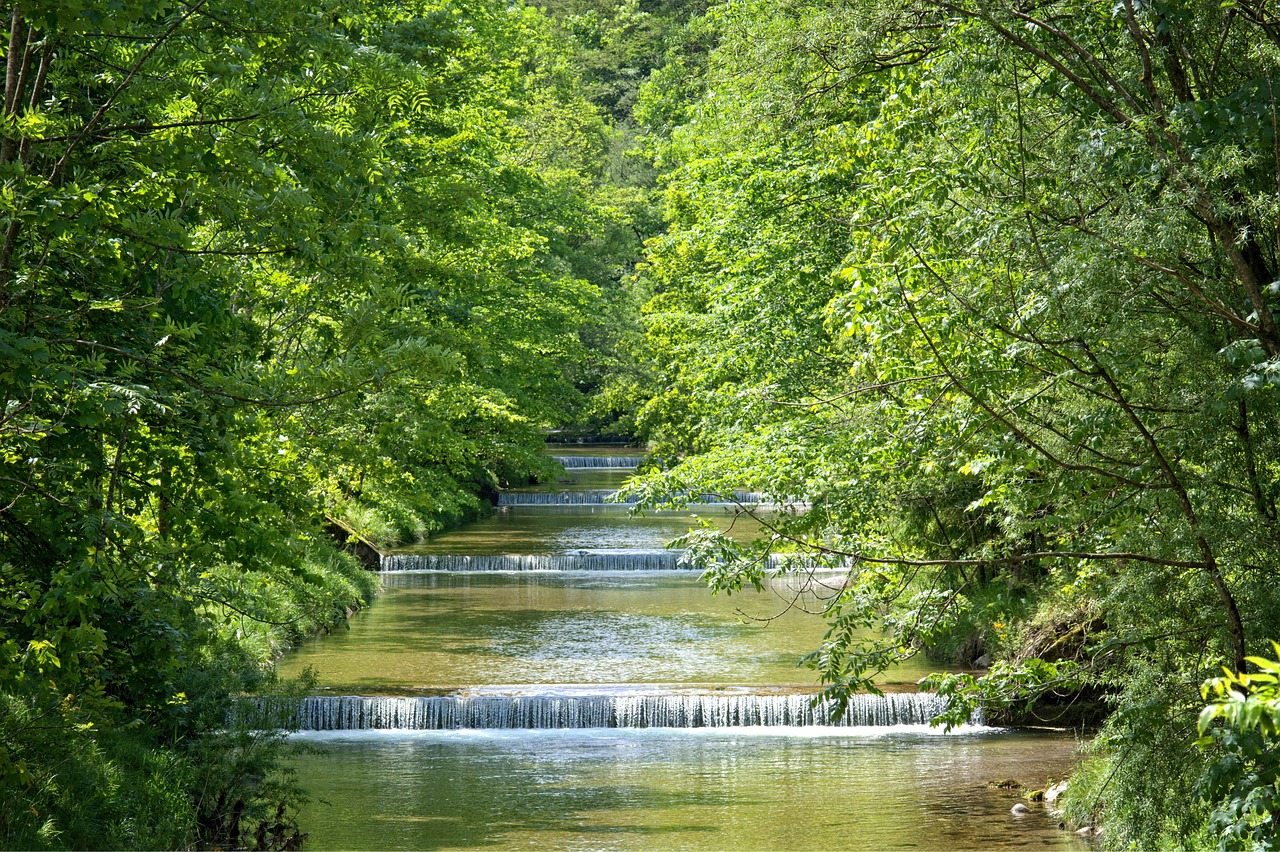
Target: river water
{"x": 544, "y": 687}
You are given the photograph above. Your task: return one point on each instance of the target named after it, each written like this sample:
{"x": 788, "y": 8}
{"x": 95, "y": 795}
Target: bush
{"x": 1242, "y": 780}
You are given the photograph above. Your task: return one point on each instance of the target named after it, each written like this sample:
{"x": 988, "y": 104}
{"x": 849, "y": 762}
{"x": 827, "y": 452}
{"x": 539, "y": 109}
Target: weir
{"x": 649, "y": 710}
{"x": 606, "y": 560}
{"x": 604, "y": 496}
{"x": 596, "y": 560}
{"x": 605, "y": 462}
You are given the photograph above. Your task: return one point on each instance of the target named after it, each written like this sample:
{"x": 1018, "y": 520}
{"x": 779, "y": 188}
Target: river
{"x": 548, "y": 678}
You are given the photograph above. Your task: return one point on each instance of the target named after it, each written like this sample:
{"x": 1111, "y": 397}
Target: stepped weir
{"x": 593, "y": 560}
{"x": 619, "y": 560}
{"x": 642, "y": 710}
{"x": 604, "y": 496}
{"x": 601, "y": 462}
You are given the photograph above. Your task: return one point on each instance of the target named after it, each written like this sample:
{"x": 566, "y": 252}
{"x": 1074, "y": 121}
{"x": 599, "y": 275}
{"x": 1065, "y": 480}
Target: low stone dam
{"x": 622, "y": 710}
{"x": 604, "y": 496}
{"x": 622, "y": 560}
{"x": 599, "y": 462}
{"x": 600, "y": 560}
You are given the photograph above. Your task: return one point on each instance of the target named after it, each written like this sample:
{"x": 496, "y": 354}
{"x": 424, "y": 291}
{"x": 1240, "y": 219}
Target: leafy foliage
{"x": 268, "y": 272}
{"x": 986, "y": 285}
{"x": 1243, "y": 778}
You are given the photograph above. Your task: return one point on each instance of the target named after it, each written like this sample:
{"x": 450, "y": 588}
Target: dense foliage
{"x": 994, "y": 287}
{"x": 990, "y": 287}
{"x": 272, "y": 274}
{"x": 1243, "y": 777}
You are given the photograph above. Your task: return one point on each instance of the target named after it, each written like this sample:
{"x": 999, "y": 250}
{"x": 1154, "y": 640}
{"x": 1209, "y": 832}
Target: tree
{"x": 993, "y": 298}
{"x": 266, "y": 270}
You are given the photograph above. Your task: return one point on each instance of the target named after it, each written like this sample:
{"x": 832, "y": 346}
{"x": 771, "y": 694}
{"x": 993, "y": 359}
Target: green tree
{"x": 267, "y": 270}
{"x": 987, "y": 287}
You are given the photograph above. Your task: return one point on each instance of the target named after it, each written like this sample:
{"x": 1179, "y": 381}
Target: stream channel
{"x": 549, "y": 678}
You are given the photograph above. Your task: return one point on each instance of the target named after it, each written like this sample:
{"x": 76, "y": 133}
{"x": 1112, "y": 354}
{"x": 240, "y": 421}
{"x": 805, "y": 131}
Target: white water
{"x": 602, "y": 560}
{"x": 594, "y": 561}
{"x": 561, "y": 737}
{"x": 604, "y": 496}
{"x": 626, "y": 709}
{"x": 608, "y": 462}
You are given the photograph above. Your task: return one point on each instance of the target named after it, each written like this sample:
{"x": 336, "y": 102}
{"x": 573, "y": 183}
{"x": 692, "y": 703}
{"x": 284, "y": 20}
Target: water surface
{"x": 440, "y": 629}
{"x": 556, "y": 529}
{"x": 695, "y": 790}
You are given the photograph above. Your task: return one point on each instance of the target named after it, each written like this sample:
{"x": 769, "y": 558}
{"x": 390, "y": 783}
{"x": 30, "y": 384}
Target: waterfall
{"x": 608, "y": 462}
{"x": 586, "y": 560}
{"x": 649, "y": 710}
{"x": 586, "y": 441}
{"x": 604, "y": 496}
{"x": 601, "y": 560}
{"x": 591, "y": 497}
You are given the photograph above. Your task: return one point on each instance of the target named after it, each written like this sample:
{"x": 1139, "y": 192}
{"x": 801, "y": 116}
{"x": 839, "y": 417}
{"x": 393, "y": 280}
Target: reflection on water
{"x": 451, "y": 630}
{"x": 714, "y": 790}
{"x": 588, "y": 448}
{"x": 585, "y": 477}
{"x": 551, "y": 529}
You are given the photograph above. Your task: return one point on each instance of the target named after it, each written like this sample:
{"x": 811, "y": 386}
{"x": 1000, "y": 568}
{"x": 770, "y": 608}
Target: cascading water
{"x": 597, "y": 560}
{"x": 642, "y": 710}
{"x": 603, "y": 496}
{"x": 621, "y": 560}
{"x": 601, "y": 462}
{"x": 588, "y": 497}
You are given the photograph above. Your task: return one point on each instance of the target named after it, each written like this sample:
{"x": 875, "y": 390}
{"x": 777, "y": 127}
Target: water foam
{"x": 627, "y": 709}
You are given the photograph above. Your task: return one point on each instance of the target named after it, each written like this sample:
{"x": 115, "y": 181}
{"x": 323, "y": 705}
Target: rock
{"x": 1055, "y": 792}
{"x": 1035, "y": 796}
{"x": 983, "y": 662}
{"x": 1007, "y": 784}
{"x": 1020, "y": 809}
{"x": 1085, "y": 832}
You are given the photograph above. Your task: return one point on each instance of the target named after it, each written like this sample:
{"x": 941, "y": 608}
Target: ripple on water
{"x": 689, "y": 790}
